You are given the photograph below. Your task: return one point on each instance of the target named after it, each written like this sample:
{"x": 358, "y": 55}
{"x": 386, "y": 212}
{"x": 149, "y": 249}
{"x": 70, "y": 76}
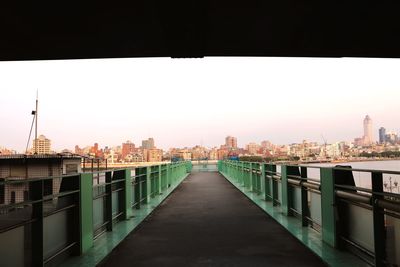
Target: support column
{"x": 36, "y": 192}
{"x": 328, "y": 206}
{"x": 86, "y": 211}
{"x": 148, "y": 184}
{"x": 285, "y": 190}
{"x": 304, "y": 198}
{"x": 159, "y": 180}
{"x": 109, "y": 201}
{"x": 138, "y": 190}
{"x": 262, "y": 181}
{"x": 168, "y": 170}
{"x": 127, "y": 195}
{"x": 268, "y": 181}
{"x": 251, "y": 176}
{"x": 244, "y": 174}
{"x": 378, "y": 219}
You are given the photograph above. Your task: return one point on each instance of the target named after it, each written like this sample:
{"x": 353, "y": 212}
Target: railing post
{"x": 159, "y": 180}
{"x": 36, "y": 192}
{"x": 285, "y": 190}
{"x": 168, "y": 174}
{"x": 251, "y": 176}
{"x": 274, "y": 188}
{"x": 148, "y": 184}
{"x": 267, "y": 181}
{"x": 138, "y": 188}
{"x": 378, "y": 219}
{"x": 237, "y": 172}
{"x": 328, "y": 206}
{"x": 127, "y": 194}
{"x": 262, "y": 181}
{"x": 242, "y": 182}
{"x": 304, "y": 197}
{"x": 86, "y": 211}
{"x": 109, "y": 201}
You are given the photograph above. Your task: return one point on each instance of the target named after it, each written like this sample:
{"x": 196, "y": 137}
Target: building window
{"x": 47, "y": 187}
{"x": 1, "y": 192}
{"x": 71, "y": 168}
{"x": 12, "y": 201}
{"x": 26, "y": 195}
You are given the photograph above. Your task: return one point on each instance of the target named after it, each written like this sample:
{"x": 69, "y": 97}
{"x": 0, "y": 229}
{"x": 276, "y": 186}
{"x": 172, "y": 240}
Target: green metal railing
{"x": 363, "y": 219}
{"x": 204, "y": 166}
{"x": 62, "y": 216}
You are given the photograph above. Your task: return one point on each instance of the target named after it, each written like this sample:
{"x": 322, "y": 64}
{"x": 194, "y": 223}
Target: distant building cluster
{"x": 6, "y": 151}
{"x": 126, "y": 153}
{"x": 314, "y": 151}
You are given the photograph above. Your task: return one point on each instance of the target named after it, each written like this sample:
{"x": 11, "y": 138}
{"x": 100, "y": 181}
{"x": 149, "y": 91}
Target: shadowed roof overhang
{"x": 194, "y": 28}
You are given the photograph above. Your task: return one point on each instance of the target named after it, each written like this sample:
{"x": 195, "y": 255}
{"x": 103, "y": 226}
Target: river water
{"x": 363, "y": 179}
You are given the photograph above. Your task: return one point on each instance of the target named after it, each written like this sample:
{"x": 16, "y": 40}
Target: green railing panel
{"x": 86, "y": 211}
{"x": 364, "y": 221}
{"x": 128, "y": 194}
{"x": 328, "y": 206}
{"x": 67, "y": 215}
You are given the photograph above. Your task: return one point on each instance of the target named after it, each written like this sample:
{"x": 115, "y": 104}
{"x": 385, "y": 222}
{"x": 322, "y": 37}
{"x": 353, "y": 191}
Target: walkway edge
{"x": 107, "y": 242}
{"x": 307, "y": 236}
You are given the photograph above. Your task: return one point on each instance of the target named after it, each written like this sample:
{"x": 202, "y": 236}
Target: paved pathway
{"x": 208, "y": 222}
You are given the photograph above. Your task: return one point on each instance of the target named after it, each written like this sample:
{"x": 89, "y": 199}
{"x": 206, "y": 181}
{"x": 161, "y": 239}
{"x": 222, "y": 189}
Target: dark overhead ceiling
{"x": 193, "y": 28}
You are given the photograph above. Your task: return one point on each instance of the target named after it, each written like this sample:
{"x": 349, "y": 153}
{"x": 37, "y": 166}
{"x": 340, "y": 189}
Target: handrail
{"x": 287, "y": 187}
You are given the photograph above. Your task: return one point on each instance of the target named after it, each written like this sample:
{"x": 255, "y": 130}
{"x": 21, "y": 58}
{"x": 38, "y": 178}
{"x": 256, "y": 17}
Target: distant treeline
{"x": 266, "y": 159}
{"x": 386, "y": 154}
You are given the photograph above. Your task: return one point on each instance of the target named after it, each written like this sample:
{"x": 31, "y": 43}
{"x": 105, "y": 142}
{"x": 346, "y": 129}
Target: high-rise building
{"x": 41, "y": 145}
{"x": 252, "y": 148}
{"x": 266, "y": 144}
{"x": 154, "y": 155}
{"x": 368, "y": 137}
{"x": 231, "y": 142}
{"x": 148, "y": 144}
{"x": 382, "y": 135}
{"x": 391, "y": 137}
{"x": 127, "y": 148}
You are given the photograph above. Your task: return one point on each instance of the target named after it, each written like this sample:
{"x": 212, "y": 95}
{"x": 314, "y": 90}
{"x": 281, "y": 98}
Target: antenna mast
{"x": 36, "y": 119}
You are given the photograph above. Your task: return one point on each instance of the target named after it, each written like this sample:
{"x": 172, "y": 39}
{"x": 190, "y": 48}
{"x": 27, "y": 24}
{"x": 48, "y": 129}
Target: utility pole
{"x": 36, "y": 120}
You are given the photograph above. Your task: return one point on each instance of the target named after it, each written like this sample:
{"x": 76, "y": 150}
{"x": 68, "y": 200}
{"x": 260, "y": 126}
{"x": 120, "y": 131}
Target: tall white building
{"x": 368, "y": 137}
{"x": 41, "y": 145}
{"x": 148, "y": 144}
{"x": 231, "y": 142}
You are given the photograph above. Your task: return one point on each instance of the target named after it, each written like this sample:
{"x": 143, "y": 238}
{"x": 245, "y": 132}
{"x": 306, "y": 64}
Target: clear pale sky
{"x": 184, "y": 102}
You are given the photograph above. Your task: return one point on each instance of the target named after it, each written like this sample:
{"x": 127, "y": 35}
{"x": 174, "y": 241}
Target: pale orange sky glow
{"x": 184, "y": 102}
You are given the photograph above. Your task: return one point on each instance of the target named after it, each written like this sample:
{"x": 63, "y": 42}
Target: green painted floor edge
{"x": 308, "y": 236}
{"x": 104, "y": 244}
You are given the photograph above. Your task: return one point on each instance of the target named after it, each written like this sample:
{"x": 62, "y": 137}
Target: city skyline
{"x": 232, "y": 140}
{"x": 281, "y": 100}
{"x": 229, "y": 142}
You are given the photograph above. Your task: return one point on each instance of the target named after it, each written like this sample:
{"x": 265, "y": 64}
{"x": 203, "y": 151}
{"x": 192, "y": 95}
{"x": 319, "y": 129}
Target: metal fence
{"x": 49, "y": 219}
{"x": 364, "y": 220}
{"x": 204, "y": 166}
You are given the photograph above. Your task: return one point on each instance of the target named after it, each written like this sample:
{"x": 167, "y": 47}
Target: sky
{"x": 185, "y": 102}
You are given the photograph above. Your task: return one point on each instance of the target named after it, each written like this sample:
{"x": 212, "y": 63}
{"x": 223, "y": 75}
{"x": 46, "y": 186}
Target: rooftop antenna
{"x": 34, "y": 120}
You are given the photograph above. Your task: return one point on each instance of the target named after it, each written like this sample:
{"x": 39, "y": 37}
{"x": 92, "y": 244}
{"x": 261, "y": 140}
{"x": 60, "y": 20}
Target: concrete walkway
{"x": 208, "y": 222}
